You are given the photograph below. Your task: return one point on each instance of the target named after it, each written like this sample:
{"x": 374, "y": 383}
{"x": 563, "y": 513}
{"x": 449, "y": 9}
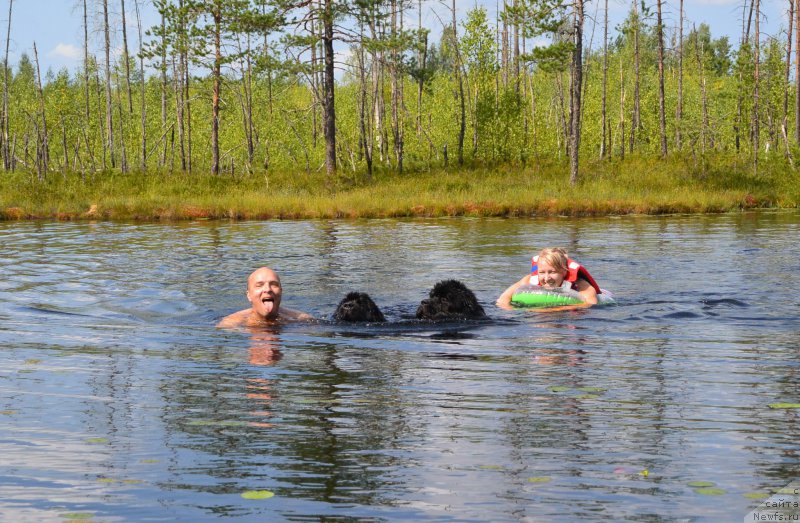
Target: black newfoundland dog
{"x": 358, "y": 307}
{"x": 450, "y": 300}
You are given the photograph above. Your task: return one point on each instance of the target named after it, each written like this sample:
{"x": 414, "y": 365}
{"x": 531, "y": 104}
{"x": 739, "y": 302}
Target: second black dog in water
{"x": 450, "y": 300}
{"x": 358, "y": 307}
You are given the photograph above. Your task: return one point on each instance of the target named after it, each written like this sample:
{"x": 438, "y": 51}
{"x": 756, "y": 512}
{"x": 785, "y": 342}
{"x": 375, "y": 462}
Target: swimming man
{"x": 264, "y": 292}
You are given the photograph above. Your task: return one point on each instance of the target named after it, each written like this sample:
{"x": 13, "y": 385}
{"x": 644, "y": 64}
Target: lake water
{"x": 120, "y": 401}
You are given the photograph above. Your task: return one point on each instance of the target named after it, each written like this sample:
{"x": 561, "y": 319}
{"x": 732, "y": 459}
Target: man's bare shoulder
{"x": 237, "y": 319}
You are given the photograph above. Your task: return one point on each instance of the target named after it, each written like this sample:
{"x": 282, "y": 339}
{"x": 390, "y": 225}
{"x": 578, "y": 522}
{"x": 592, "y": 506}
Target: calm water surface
{"x": 120, "y": 401}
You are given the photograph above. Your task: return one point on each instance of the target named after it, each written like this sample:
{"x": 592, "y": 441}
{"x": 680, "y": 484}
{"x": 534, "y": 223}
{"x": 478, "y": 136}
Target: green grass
{"x": 634, "y": 186}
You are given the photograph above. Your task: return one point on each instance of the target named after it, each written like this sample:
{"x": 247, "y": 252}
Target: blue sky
{"x": 56, "y": 25}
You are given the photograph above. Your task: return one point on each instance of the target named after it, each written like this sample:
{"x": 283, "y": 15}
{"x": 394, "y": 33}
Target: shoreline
{"x": 633, "y": 187}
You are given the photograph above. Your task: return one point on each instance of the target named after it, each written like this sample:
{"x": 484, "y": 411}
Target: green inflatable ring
{"x": 535, "y": 296}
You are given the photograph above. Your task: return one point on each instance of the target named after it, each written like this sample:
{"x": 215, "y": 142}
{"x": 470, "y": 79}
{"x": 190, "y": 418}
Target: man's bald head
{"x": 264, "y": 292}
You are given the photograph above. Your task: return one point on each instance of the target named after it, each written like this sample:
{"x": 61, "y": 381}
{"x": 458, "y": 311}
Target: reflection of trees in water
{"x": 564, "y": 422}
{"x": 542, "y": 420}
{"x": 114, "y": 419}
{"x": 350, "y": 425}
{"x": 774, "y": 432}
{"x": 316, "y": 428}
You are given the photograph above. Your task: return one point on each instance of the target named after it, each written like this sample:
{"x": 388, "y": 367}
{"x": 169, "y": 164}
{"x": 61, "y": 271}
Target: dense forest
{"x": 231, "y": 87}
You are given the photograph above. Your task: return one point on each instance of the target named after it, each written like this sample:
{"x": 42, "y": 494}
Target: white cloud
{"x": 63, "y": 50}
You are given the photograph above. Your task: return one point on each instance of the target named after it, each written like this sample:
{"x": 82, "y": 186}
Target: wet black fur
{"x": 358, "y": 307}
{"x": 450, "y": 300}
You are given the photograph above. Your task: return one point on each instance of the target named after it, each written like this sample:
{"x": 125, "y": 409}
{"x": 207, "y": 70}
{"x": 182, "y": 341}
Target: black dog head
{"x": 358, "y": 306}
{"x": 450, "y": 300}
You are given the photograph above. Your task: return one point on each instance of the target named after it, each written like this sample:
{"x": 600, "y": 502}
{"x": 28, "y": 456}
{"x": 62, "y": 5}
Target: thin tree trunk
{"x": 126, "y": 54}
{"x": 188, "y": 116}
{"x": 180, "y": 106}
{"x": 516, "y": 52}
{"x": 315, "y": 88}
{"x": 422, "y": 56}
{"x": 366, "y": 139}
{"x": 86, "y": 61}
{"x": 797, "y": 73}
{"x": 577, "y": 83}
{"x": 43, "y": 149}
{"x": 329, "y": 113}
{"x": 64, "y": 167}
{"x": 164, "y": 88}
{"x": 109, "y": 115}
{"x": 394, "y": 87}
{"x": 621, "y": 111}
{"x": 249, "y": 126}
{"x": 662, "y": 117}
{"x": 504, "y": 47}
{"x": 244, "y": 99}
{"x": 524, "y": 72}
{"x": 757, "y": 55}
{"x": 401, "y": 108}
{"x": 787, "y": 70}
{"x": 5, "y": 122}
{"x": 89, "y": 149}
{"x": 378, "y": 103}
{"x": 700, "y": 53}
{"x": 562, "y": 113}
{"x": 101, "y": 119}
{"x": 123, "y": 153}
{"x": 635, "y": 120}
{"x": 679, "y": 109}
{"x": 142, "y": 91}
{"x": 216, "y": 78}
{"x": 459, "y": 73}
{"x": 498, "y": 44}
{"x": 603, "y": 114}
{"x": 740, "y": 95}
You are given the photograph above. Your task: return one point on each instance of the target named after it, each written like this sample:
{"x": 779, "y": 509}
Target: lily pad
{"x": 97, "y": 440}
{"x": 591, "y": 389}
{"x": 8, "y": 412}
{"x": 32, "y": 361}
{"x": 149, "y": 461}
{"x": 710, "y": 491}
{"x": 784, "y": 405}
{"x": 587, "y": 397}
{"x": 701, "y": 484}
{"x": 540, "y": 479}
{"x": 77, "y": 515}
{"x": 257, "y": 494}
{"x": 491, "y": 467}
{"x": 756, "y": 495}
{"x": 559, "y": 389}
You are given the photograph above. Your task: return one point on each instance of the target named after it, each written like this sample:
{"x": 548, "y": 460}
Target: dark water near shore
{"x": 120, "y": 401}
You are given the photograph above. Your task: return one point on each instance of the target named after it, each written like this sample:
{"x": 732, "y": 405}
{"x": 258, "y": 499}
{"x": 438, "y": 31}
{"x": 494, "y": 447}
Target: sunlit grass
{"x": 636, "y": 185}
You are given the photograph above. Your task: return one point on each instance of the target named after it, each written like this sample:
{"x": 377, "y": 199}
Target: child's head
{"x": 556, "y": 257}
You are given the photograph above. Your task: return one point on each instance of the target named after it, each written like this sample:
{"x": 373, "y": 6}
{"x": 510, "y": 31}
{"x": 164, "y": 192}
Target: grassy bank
{"x": 634, "y": 186}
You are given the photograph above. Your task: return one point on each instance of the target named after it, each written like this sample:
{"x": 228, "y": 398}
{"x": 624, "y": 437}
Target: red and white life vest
{"x": 575, "y": 271}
